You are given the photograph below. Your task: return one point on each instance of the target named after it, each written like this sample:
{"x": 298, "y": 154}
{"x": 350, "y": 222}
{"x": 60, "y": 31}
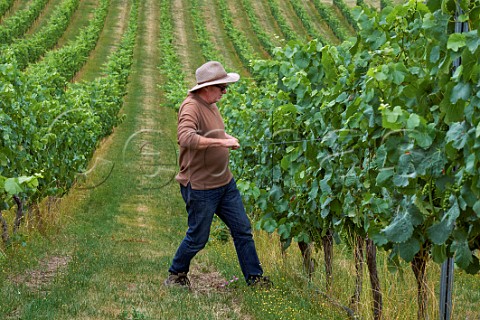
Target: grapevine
{"x": 15, "y": 26}
{"x": 50, "y": 132}
{"x": 372, "y": 138}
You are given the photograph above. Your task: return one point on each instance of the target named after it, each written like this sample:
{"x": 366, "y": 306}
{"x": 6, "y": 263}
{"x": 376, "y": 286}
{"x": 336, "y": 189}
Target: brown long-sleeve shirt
{"x": 205, "y": 168}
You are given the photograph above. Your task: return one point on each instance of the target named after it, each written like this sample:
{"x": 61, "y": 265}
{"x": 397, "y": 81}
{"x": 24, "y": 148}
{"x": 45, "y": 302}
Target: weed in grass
{"x": 232, "y": 283}
{"x": 134, "y": 314}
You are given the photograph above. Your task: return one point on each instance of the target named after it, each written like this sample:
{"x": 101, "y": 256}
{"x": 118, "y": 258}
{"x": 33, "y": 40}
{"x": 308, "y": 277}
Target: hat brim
{"x": 230, "y": 78}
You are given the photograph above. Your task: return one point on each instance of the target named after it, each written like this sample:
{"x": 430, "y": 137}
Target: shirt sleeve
{"x": 187, "y": 130}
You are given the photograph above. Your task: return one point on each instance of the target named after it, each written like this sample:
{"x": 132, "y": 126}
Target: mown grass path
{"x": 79, "y": 20}
{"x": 44, "y": 16}
{"x": 219, "y": 38}
{"x": 115, "y": 25}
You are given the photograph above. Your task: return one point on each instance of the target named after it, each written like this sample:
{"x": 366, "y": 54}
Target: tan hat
{"x": 212, "y": 73}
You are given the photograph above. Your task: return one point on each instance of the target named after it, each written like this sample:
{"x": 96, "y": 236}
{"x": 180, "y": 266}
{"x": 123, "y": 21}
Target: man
{"x": 206, "y": 183}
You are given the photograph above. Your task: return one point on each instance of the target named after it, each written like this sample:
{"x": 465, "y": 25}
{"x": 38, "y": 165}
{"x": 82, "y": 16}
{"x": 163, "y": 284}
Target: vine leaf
{"x": 457, "y": 135}
{"x": 476, "y": 208}
{"x": 12, "y": 186}
{"x": 440, "y": 232}
{"x": 472, "y": 41}
{"x": 460, "y": 91}
{"x": 463, "y": 255}
{"x": 409, "y": 249}
{"x": 401, "y": 228}
{"x": 456, "y": 41}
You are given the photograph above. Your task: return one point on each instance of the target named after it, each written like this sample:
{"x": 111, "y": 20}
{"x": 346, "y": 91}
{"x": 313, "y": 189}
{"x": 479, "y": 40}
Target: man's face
{"x": 215, "y": 92}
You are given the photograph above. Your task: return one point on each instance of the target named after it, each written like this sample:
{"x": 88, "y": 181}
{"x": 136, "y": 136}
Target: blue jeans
{"x": 227, "y": 203}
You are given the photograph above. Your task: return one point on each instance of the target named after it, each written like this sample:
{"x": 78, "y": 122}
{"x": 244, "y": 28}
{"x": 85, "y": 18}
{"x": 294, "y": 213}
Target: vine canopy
{"x": 379, "y": 137}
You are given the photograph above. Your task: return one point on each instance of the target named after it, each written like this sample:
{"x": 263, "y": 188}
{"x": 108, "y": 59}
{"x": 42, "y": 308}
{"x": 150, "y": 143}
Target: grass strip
{"x": 332, "y": 20}
{"x": 15, "y": 26}
{"x": 5, "y": 5}
{"x": 209, "y": 52}
{"x": 288, "y": 33}
{"x": 346, "y": 12}
{"x": 242, "y": 45}
{"x": 259, "y": 31}
{"x": 174, "y": 84}
{"x": 29, "y": 49}
{"x": 68, "y": 60}
{"x": 306, "y": 21}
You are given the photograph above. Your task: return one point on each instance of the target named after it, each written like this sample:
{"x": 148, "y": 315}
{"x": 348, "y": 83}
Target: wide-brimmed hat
{"x": 212, "y": 73}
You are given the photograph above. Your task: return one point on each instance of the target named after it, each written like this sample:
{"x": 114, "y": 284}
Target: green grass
{"x": 113, "y": 30}
{"x": 241, "y": 20}
{"x": 219, "y": 37}
{"x": 80, "y": 20}
{"x": 44, "y": 16}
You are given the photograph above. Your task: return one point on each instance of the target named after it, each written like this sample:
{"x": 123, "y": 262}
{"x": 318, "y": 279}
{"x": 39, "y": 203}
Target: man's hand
{"x": 232, "y": 142}
{"x": 228, "y": 142}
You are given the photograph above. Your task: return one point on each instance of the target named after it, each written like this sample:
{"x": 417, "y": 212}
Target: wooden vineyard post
{"x": 327, "y": 241}
{"x": 374, "y": 280}
{"x": 308, "y": 263}
{"x": 359, "y": 262}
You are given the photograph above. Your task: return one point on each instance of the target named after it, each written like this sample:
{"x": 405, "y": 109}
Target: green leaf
{"x": 474, "y": 267}
{"x": 3, "y": 160}
{"x": 457, "y": 134}
{"x": 435, "y": 54}
{"x": 325, "y": 188}
{"x": 31, "y": 181}
{"x": 379, "y": 239}
{"x": 392, "y": 116}
{"x": 314, "y": 190}
{"x": 456, "y": 41}
{"x": 423, "y": 139}
{"x": 472, "y": 41}
{"x": 284, "y": 230}
{"x": 384, "y": 175}
{"x": 408, "y": 249}
{"x": 453, "y": 213}
{"x": 413, "y": 121}
{"x": 439, "y": 232}
{"x": 380, "y": 76}
{"x": 351, "y": 178}
{"x": 269, "y": 225}
{"x": 376, "y": 38}
{"x": 460, "y": 91}
{"x": 301, "y": 59}
{"x": 401, "y": 228}
{"x": 286, "y": 162}
{"x": 12, "y": 187}
{"x": 276, "y": 193}
{"x": 463, "y": 254}
{"x": 439, "y": 253}
{"x": 405, "y": 172}
{"x": 398, "y": 74}
{"x": 476, "y": 208}
{"x": 302, "y": 237}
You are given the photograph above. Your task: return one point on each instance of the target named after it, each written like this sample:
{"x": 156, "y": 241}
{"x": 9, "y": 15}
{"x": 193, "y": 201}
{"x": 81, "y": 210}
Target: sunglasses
{"x": 222, "y": 87}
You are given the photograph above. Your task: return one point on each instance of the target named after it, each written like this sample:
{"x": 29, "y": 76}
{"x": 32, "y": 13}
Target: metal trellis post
{"x": 446, "y": 282}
